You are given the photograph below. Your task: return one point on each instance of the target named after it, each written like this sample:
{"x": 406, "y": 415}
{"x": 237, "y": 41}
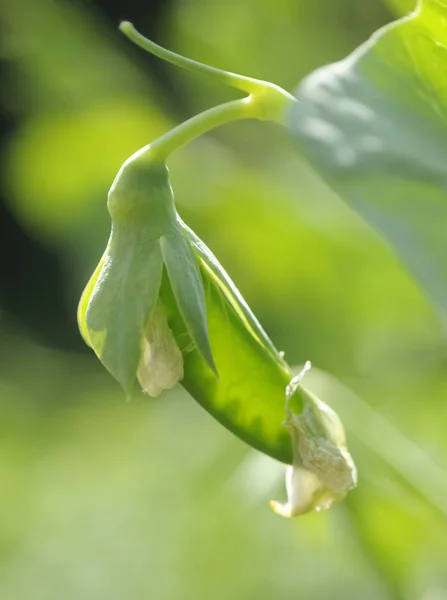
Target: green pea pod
{"x": 161, "y": 308}
{"x": 256, "y": 394}
{"x": 249, "y": 396}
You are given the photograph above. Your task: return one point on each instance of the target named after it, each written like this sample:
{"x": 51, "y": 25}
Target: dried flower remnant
{"x": 322, "y": 469}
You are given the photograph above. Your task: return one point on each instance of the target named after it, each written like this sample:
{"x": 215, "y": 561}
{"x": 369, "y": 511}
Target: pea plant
{"x": 160, "y": 309}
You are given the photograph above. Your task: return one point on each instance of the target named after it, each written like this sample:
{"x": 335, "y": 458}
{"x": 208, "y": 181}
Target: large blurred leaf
{"x": 374, "y": 125}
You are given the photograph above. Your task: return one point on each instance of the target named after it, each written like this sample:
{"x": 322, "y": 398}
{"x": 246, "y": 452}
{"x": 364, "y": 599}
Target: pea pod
{"x": 161, "y": 309}
{"x": 256, "y": 389}
{"x": 248, "y": 397}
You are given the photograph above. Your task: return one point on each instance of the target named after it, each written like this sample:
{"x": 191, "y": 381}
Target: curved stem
{"x": 162, "y": 147}
{"x": 265, "y": 101}
{"x": 246, "y": 84}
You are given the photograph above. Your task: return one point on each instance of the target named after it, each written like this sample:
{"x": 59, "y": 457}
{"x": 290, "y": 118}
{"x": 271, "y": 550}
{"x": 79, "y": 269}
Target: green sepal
{"x": 187, "y": 286}
{"x": 117, "y": 305}
{"x": 123, "y": 300}
{"x": 142, "y": 195}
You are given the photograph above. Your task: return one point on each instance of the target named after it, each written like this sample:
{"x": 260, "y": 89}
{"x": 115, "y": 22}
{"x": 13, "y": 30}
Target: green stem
{"x": 162, "y": 147}
{"x": 266, "y": 101}
{"x": 251, "y": 107}
{"x": 245, "y": 84}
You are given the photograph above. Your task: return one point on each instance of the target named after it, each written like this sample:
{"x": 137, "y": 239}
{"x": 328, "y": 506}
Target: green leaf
{"x": 184, "y": 276}
{"x": 375, "y": 126}
{"x": 123, "y": 300}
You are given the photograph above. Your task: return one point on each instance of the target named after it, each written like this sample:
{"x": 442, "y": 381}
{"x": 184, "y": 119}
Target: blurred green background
{"x": 105, "y": 500}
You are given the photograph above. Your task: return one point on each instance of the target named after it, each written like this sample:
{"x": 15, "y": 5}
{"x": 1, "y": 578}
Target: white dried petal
{"x": 161, "y": 364}
{"x": 322, "y": 469}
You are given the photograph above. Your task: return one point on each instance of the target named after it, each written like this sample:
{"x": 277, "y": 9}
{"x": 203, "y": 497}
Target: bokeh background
{"x": 104, "y": 500}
